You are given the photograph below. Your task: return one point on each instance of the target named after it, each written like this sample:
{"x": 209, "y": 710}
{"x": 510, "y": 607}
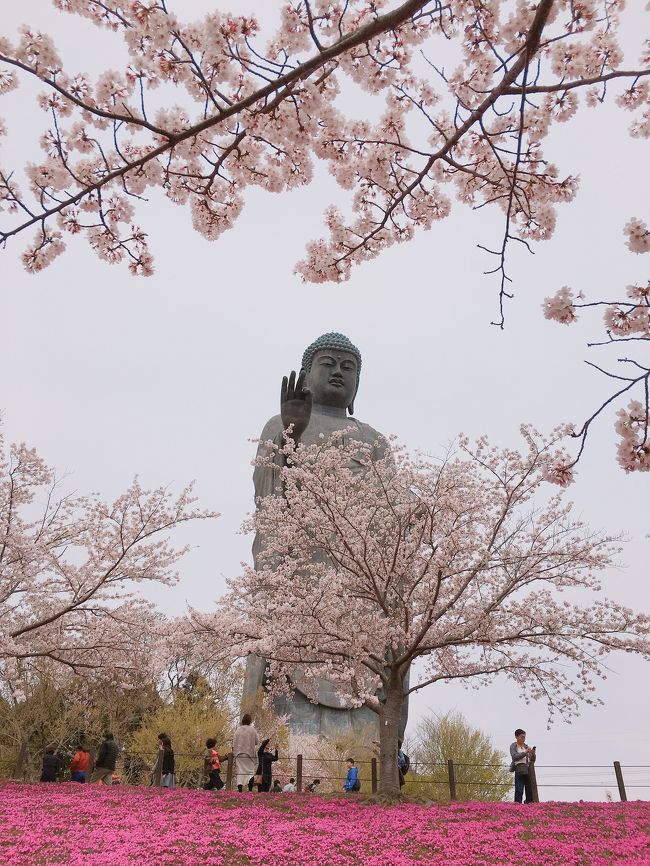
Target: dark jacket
{"x": 107, "y": 755}
{"x": 51, "y": 766}
{"x": 168, "y": 762}
{"x": 264, "y": 768}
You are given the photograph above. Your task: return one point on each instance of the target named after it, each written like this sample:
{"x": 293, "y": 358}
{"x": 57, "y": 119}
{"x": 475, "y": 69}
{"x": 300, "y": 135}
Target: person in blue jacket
{"x": 352, "y": 779}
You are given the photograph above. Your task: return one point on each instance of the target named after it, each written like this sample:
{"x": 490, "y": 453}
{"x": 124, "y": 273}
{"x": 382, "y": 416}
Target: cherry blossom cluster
{"x": 202, "y": 110}
{"x": 76, "y": 825}
{"x": 638, "y": 236}
{"x": 628, "y": 322}
{"x": 634, "y": 446}
{"x": 68, "y": 567}
{"x": 368, "y": 565}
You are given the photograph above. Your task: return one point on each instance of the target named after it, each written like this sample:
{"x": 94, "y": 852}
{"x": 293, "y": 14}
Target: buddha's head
{"x": 333, "y": 366}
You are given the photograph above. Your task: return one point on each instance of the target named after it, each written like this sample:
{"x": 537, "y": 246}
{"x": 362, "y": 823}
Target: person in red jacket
{"x": 212, "y": 766}
{"x": 80, "y": 764}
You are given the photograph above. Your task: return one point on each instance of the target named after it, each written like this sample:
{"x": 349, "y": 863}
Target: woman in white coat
{"x": 244, "y": 749}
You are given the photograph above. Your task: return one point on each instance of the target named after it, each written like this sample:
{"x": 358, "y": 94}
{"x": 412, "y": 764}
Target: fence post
{"x": 533, "y": 782}
{"x": 373, "y": 775}
{"x": 299, "y": 774}
{"x": 619, "y": 781}
{"x": 452, "y": 779}
{"x": 229, "y": 771}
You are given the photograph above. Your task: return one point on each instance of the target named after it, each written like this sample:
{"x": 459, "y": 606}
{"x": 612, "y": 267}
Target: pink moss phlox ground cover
{"x": 88, "y": 826}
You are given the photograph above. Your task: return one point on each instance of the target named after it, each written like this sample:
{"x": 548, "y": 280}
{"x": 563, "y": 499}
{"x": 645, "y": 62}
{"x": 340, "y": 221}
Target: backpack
{"x": 356, "y": 786}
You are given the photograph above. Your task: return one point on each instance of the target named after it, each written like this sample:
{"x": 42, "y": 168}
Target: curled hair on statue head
{"x": 338, "y": 343}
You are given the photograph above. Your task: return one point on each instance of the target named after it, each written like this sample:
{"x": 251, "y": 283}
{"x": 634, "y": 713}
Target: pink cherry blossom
{"x": 634, "y": 446}
{"x": 251, "y": 108}
{"x": 370, "y": 563}
{"x": 68, "y": 567}
{"x": 626, "y": 320}
{"x": 560, "y": 307}
{"x": 245, "y": 108}
{"x": 638, "y": 236}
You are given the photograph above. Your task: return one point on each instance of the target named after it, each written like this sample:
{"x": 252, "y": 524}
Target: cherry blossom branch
{"x": 91, "y": 108}
{"x": 66, "y": 573}
{"x": 581, "y": 82}
{"x": 625, "y": 321}
{"x": 281, "y": 87}
{"x": 528, "y": 49}
{"x": 451, "y": 563}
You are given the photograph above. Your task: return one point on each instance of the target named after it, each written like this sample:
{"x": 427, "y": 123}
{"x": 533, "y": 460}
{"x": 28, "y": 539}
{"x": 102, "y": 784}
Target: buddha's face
{"x": 333, "y": 378}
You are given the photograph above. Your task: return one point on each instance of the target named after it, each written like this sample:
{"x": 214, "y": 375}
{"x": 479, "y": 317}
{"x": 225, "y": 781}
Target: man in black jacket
{"x": 106, "y": 759}
{"x": 51, "y": 765}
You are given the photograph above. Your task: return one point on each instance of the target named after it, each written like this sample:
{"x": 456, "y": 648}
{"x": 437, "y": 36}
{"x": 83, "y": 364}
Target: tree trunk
{"x": 389, "y": 720}
{"x": 23, "y": 752}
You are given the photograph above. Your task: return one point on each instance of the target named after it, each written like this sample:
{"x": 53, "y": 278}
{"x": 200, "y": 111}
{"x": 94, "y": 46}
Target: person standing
{"x": 352, "y": 782}
{"x": 168, "y": 765}
{"x": 51, "y": 766}
{"x": 212, "y": 766}
{"x": 80, "y": 764}
{"x": 265, "y": 766}
{"x": 106, "y": 760}
{"x": 244, "y": 749}
{"x": 156, "y": 770}
{"x": 403, "y": 763}
{"x": 522, "y": 757}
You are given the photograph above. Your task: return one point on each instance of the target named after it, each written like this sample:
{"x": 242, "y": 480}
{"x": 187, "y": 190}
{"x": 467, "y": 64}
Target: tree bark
{"x": 19, "y": 771}
{"x": 389, "y": 719}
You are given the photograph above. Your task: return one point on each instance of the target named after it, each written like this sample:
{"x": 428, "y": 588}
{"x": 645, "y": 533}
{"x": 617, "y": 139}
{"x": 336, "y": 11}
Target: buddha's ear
{"x": 351, "y": 406}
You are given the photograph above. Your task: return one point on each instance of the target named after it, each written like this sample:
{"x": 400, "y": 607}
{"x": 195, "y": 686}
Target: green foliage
{"x": 45, "y": 710}
{"x": 61, "y": 716}
{"x": 188, "y": 720}
{"x": 218, "y": 681}
{"x": 479, "y": 769}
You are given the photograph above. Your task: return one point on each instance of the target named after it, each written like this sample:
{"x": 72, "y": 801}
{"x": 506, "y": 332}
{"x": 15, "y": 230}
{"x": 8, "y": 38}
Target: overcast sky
{"x": 170, "y": 377}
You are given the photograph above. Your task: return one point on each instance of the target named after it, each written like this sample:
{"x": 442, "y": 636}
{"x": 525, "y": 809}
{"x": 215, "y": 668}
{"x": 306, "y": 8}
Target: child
{"x": 212, "y": 766}
{"x": 352, "y": 782}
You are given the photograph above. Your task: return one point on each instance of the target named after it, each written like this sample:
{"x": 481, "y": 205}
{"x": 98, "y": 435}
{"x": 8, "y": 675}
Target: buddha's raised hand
{"x": 295, "y": 404}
